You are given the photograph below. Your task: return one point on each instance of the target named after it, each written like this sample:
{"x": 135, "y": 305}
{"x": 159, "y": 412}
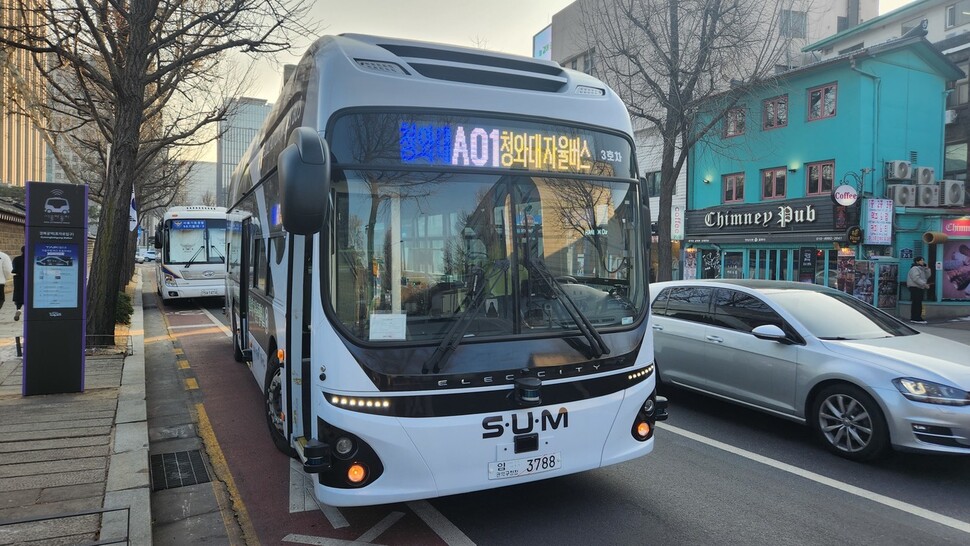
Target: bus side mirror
{"x": 304, "y": 169}
{"x": 158, "y": 237}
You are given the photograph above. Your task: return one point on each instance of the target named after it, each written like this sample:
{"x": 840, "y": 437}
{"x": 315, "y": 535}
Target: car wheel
{"x": 236, "y": 350}
{"x": 850, "y": 423}
{"x": 275, "y": 412}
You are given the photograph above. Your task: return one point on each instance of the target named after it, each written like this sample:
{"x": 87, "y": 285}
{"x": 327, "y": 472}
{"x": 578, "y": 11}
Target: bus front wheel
{"x": 275, "y": 412}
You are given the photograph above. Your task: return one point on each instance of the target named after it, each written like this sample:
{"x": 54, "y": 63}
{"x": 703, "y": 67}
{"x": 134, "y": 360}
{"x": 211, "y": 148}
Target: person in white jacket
{"x": 6, "y": 275}
{"x": 918, "y": 280}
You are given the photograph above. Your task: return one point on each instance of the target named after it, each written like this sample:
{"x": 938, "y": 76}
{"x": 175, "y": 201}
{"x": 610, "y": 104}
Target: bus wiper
{"x": 596, "y": 343}
{"x": 221, "y": 255}
{"x": 192, "y": 259}
{"x": 470, "y": 307}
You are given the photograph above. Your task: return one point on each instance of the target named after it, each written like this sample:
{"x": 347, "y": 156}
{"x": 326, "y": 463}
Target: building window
{"x": 653, "y": 184}
{"x": 773, "y": 182}
{"x": 958, "y": 14}
{"x": 733, "y": 185}
{"x": 820, "y": 177}
{"x": 774, "y": 112}
{"x": 960, "y": 89}
{"x": 955, "y": 161}
{"x": 734, "y": 122}
{"x": 792, "y": 24}
{"x": 821, "y": 102}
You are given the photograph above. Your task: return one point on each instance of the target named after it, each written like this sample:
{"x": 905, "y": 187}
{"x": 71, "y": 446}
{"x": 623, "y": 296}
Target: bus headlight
{"x": 169, "y": 280}
{"x": 344, "y": 446}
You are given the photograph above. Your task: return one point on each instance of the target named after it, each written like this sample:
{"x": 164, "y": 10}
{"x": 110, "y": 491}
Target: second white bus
{"x": 191, "y": 261}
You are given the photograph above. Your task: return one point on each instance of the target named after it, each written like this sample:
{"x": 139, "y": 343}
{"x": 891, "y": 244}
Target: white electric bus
{"x": 191, "y": 261}
{"x": 437, "y": 272}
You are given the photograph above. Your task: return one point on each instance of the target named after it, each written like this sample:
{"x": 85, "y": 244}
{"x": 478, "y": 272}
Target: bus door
{"x": 241, "y": 299}
{"x": 297, "y": 342}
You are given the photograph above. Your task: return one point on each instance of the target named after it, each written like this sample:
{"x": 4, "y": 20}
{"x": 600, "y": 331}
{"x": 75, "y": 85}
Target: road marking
{"x": 319, "y": 541}
{"x": 191, "y": 384}
{"x": 178, "y": 350}
{"x": 381, "y": 526}
{"x": 217, "y": 322}
{"x": 221, "y": 468}
{"x": 438, "y": 523}
{"x": 818, "y": 478}
{"x": 183, "y": 364}
{"x": 302, "y": 498}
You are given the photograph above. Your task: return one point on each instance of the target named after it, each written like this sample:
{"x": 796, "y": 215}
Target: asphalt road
{"x": 719, "y": 475}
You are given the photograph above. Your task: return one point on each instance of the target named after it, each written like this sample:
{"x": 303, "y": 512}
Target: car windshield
{"x": 836, "y": 315}
{"x": 415, "y": 251}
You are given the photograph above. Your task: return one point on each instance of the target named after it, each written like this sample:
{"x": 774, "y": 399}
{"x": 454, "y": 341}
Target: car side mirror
{"x": 770, "y": 332}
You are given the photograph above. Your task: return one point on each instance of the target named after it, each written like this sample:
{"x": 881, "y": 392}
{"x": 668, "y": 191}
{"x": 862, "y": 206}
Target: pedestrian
{"x": 18, "y": 283}
{"x": 6, "y": 275}
{"x": 917, "y": 281}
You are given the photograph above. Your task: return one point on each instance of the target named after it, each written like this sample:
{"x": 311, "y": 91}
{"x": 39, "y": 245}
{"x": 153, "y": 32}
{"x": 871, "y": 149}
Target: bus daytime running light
{"x": 372, "y": 403}
{"x": 641, "y": 373}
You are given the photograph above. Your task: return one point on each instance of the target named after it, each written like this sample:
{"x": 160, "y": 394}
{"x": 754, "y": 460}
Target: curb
{"x": 128, "y": 481}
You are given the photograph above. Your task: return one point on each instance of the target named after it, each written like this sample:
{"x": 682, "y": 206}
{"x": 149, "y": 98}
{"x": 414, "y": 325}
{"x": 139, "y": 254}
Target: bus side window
{"x": 259, "y": 261}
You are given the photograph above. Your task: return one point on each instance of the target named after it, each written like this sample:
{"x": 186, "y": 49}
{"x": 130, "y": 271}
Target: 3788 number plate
{"x": 522, "y": 467}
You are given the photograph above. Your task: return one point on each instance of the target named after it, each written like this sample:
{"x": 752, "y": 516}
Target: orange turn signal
{"x": 643, "y": 429}
{"x": 281, "y": 355}
{"x": 356, "y": 473}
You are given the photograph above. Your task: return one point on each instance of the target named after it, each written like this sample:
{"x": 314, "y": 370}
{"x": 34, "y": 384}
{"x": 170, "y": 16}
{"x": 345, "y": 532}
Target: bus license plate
{"x": 521, "y": 467}
{"x": 210, "y": 292}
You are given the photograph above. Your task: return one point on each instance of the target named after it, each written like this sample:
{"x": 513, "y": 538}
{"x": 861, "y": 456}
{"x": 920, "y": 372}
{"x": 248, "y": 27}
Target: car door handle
{"x": 658, "y": 327}
{"x": 715, "y": 339}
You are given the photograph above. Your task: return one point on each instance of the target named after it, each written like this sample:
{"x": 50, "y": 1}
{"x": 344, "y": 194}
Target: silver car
{"x": 861, "y": 379}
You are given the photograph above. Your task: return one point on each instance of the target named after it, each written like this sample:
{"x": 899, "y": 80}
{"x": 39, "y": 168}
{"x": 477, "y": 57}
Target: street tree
{"x": 673, "y": 60}
{"x": 142, "y": 75}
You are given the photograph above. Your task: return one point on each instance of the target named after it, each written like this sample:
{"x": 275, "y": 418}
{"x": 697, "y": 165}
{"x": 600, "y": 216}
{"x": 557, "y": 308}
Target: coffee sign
{"x": 845, "y": 195}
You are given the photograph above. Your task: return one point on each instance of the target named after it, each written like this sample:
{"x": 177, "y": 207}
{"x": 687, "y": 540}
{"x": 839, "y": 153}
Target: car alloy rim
{"x": 845, "y": 423}
{"x": 274, "y": 400}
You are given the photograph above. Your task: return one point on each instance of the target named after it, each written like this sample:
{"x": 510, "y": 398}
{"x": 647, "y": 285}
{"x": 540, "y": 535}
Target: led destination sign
{"x": 475, "y": 142}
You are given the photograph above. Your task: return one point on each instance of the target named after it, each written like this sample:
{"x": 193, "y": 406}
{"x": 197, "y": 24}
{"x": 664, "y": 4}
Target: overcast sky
{"x": 501, "y": 25}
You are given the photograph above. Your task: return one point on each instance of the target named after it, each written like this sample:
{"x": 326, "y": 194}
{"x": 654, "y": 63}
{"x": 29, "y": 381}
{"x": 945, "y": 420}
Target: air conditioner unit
{"x": 952, "y": 193}
{"x": 950, "y": 116}
{"x": 903, "y": 195}
{"x": 927, "y": 195}
{"x": 924, "y": 175}
{"x": 899, "y": 170}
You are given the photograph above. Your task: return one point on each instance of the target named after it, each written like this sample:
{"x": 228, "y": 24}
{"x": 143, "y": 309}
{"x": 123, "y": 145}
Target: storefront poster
{"x": 888, "y": 285}
{"x": 690, "y": 265}
{"x": 864, "y": 282}
{"x": 846, "y": 278}
{"x": 956, "y": 270}
{"x": 806, "y": 264}
{"x": 711, "y": 263}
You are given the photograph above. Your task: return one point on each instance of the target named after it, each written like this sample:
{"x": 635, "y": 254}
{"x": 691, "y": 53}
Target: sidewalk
{"x": 74, "y": 467}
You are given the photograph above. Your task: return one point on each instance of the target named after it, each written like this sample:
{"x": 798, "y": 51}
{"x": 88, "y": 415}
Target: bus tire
{"x": 237, "y": 354}
{"x": 275, "y": 413}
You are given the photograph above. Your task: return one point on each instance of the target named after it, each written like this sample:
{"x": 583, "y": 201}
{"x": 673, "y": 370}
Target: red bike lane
{"x": 233, "y": 404}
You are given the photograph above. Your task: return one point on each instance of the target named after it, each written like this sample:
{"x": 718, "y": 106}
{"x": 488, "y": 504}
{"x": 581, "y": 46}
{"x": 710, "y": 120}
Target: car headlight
{"x": 932, "y": 393}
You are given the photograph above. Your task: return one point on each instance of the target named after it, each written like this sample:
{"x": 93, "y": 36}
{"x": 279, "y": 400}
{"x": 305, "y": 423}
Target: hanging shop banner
{"x": 956, "y": 270}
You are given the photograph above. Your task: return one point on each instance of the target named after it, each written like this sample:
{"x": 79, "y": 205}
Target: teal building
{"x": 827, "y": 174}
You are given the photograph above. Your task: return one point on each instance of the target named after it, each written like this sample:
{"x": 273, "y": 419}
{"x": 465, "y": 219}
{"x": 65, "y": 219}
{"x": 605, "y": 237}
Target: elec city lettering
{"x": 464, "y": 146}
{"x": 786, "y": 215}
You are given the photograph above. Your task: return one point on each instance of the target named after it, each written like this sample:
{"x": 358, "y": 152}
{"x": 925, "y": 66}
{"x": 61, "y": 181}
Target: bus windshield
{"x": 416, "y": 251}
{"x": 197, "y": 240}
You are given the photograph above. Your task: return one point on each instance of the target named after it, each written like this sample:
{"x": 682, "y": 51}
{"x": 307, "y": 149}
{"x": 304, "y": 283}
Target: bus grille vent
{"x": 481, "y": 69}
